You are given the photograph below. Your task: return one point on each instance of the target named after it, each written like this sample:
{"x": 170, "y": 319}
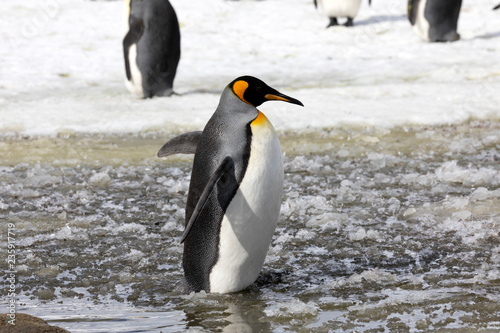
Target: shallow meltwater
{"x": 380, "y": 229}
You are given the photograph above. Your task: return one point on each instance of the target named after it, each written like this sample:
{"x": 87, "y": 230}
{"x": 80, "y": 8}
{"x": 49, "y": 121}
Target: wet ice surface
{"x": 379, "y": 229}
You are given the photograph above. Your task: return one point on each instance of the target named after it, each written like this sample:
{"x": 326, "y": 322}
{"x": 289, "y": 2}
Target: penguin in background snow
{"x": 151, "y": 47}
{"x": 340, "y": 8}
{"x": 235, "y": 191}
{"x": 435, "y": 20}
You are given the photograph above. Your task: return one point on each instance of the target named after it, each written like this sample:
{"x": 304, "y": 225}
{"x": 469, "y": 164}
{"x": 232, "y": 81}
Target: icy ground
{"x": 63, "y": 70}
{"x": 391, "y": 215}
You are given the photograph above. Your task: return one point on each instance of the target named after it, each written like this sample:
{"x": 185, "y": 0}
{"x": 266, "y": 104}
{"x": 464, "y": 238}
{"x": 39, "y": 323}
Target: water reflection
{"x": 239, "y": 312}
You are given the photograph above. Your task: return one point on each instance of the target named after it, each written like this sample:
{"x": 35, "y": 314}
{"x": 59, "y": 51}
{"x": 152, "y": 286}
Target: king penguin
{"x": 340, "y": 8}
{"x": 435, "y": 20}
{"x": 151, "y": 47}
{"x": 235, "y": 190}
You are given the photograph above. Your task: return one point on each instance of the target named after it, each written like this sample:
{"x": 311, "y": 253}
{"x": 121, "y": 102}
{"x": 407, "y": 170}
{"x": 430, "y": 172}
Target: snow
{"x": 63, "y": 71}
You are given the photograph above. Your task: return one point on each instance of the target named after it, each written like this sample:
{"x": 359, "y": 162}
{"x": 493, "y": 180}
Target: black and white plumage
{"x": 340, "y": 8}
{"x": 435, "y": 20}
{"x": 151, "y": 47}
{"x": 235, "y": 191}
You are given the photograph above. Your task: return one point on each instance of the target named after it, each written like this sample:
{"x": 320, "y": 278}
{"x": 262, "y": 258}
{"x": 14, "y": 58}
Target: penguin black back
{"x": 435, "y": 20}
{"x": 154, "y": 31}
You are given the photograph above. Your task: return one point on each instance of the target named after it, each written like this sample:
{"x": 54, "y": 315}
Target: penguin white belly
{"x": 341, "y": 8}
{"x": 135, "y": 84}
{"x": 250, "y": 220}
{"x": 421, "y": 26}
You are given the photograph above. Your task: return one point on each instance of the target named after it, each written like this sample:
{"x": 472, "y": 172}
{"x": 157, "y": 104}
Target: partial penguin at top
{"x": 235, "y": 191}
{"x": 340, "y": 8}
{"x": 435, "y": 20}
{"x": 151, "y": 47}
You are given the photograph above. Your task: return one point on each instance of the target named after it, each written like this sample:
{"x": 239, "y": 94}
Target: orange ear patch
{"x": 239, "y": 88}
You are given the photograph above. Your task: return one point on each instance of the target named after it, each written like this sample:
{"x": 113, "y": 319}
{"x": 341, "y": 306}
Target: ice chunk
{"x": 3, "y": 206}
{"x": 292, "y": 309}
{"x": 132, "y": 228}
{"x": 373, "y": 235}
{"x": 360, "y": 234}
{"x": 456, "y": 203}
{"x": 328, "y": 220}
{"x": 100, "y": 179}
{"x": 410, "y": 211}
{"x": 462, "y": 215}
{"x": 376, "y": 275}
{"x": 134, "y": 255}
{"x": 452, "y": 173}
{"x": 29, "y": 193}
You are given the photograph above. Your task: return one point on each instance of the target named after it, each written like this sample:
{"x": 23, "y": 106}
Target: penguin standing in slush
{"x": 435, "y": 20}
{"x": 151, "y": 47}
{"x": 235, "y": 191}
{"x": 340, "y": 8}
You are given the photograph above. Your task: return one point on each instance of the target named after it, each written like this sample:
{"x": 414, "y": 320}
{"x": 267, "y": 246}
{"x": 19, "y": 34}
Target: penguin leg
{"x": 182, "y": 144}
{"x": 225, "y": 174}
{"x": 349, "y": 22}
{"x": 333, "y": 22}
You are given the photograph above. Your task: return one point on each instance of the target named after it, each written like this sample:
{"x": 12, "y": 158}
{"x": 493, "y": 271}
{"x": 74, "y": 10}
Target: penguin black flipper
{"x": 132, "y": 36}
{"x": 182, "y": 144}
{"x": 412, "y": 11}
{"x": 496, "y": 7}
{"x": 223, "y": 174}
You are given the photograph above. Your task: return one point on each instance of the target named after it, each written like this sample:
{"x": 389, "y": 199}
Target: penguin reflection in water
{"x": 340, "y": 8}
{"x": 151, "y": 47}
{"x": 235, "y": 191}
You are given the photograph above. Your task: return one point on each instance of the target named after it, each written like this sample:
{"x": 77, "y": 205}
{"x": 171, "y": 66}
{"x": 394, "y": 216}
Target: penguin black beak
{"x": 277, "y": 96}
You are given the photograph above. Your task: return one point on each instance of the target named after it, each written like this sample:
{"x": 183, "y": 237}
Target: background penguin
{"x": 151, "y": 47}
{"x": 496, "y": 7}
{"x": 235, "y": 191}
{"x": 340, "y": 8}
{"x": 435, "y": 20}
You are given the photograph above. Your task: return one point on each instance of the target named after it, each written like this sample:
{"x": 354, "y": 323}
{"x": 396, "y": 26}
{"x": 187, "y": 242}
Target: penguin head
{"x": 253, "y": 91}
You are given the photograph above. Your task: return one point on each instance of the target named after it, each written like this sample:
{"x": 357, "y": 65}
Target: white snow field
{"x": 63, "y": 68}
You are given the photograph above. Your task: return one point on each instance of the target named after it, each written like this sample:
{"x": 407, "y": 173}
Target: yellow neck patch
{"x": 260, "y": 120}
{"x": 239, "y": 88}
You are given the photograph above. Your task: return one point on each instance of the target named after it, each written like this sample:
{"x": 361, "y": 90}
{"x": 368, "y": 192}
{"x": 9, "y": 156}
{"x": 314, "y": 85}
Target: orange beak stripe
{"x": 276, "y": 98}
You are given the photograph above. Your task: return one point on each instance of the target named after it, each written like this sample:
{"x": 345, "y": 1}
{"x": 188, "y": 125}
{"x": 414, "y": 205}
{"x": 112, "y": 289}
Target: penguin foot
{"x": 349, "y": 22}
{"x": 333, "y": 22}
